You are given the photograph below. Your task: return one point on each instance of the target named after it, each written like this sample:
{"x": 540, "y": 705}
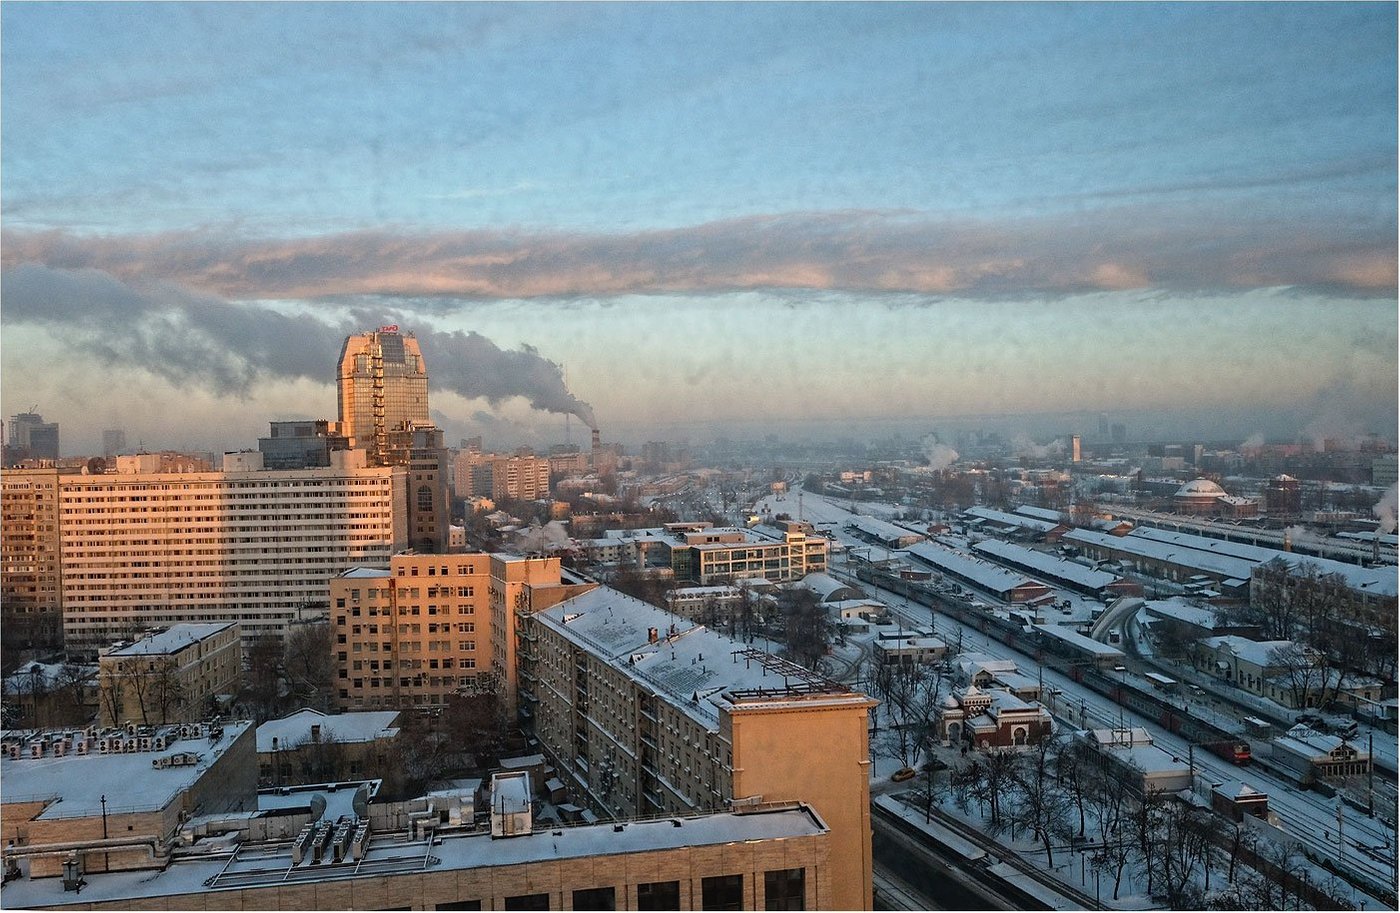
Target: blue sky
{"x": 1001, "y": 201}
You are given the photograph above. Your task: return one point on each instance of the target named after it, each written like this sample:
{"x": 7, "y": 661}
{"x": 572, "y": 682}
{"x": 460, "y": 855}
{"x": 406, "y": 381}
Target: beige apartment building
{"x": 429, "y": 625}
{"x": 647, "y": 713}
{"x": 142, "y": 549}
{"x": 522, "y": 477}
{"x": 31, "y": 593}
{"x": 174, "y": 676}
{"x": 711, "y": 556}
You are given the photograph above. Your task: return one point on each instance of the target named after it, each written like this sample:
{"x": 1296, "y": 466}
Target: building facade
{"x": 144, "y": 549}
{"x": 171, "y": 677}
{"x": 31, "y": 586}
{"x": 646, "y": 713}
{"x": 300, "y": 445}
{"x": 427, "y": 626}
{"x": 383, "y": 387}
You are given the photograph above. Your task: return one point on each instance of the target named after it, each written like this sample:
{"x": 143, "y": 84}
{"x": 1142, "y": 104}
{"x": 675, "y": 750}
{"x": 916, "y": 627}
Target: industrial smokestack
{"x": 597, "y": 440}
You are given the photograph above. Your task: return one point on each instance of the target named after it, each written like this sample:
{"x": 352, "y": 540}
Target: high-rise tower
{"x": 383, "y": 388}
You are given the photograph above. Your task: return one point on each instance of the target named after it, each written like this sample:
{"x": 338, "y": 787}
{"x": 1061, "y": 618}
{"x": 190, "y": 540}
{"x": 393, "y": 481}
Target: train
{"x": 1149, "y": 702}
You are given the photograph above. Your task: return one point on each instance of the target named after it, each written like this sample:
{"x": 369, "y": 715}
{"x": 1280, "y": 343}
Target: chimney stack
{"x": 597, "y": 440}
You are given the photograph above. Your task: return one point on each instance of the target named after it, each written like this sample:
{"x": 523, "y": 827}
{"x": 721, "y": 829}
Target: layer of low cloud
{"x": 226, "y": 347}
{"x": 1126, "y": 248}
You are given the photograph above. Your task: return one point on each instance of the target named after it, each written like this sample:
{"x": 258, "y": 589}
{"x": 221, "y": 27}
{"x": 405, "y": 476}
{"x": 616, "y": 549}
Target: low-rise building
{"x": 312, "y": 747}
{"x": 1312, "y": 755}
{"x": 992, "y": 718}
{"x": 1130, "y": 753}
{"x": 179, "y": 674}
{"x": 914, "y": 650}
{"x": 114, "y": 799}
{"x": 776, "y": 858}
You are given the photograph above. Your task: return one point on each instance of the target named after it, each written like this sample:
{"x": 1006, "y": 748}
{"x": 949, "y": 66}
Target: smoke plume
{"x": 1385, "y": 510}
{"x": 1254, "y": 442}
{"x": 1025, "y": 447}
{"x": 940, "y": 456}
{"x": 226, "y": 347}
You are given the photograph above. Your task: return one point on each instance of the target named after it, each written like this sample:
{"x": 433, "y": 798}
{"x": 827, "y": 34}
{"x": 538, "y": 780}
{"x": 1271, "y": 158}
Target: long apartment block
{"x": 140, "y": 549}
{"x": 649, "y": 713}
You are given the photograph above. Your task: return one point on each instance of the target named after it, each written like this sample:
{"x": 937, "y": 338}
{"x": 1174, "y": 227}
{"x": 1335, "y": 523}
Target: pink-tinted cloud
{"x": 845, "y": 251}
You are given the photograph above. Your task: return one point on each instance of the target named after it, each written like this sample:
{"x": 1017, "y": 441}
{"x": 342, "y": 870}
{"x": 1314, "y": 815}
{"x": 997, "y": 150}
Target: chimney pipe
{"x": 597, "y": 440}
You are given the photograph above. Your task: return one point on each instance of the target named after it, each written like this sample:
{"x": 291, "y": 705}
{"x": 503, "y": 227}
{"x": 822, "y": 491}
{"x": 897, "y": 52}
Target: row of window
{"x": 783, "y": 889}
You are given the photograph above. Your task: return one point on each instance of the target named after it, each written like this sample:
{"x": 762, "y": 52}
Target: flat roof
{"x": 1050, "y": 565}
{"x": 127, "y": 780}
{"x": 270, "y": 864}
{"x": 1019, "y": 520}
{"x": 172, "y": 640}
{"x": 989, "y": 577}
{"x": 1074, "y": 638}
{"x": 295, "y": 728}
{"x": 691, "y": 667}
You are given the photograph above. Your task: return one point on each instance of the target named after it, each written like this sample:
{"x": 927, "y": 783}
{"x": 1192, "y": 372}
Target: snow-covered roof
{"x": 1001, "y": 516}
{"x": 882, "y": 530}
{"x": 1184, "y": 556}
{"x": 1132, "y": 735}
{"x": 1074, "y": 638}
{"x": 1200, "y": 488}
{"x": 987, "y": 576}
{"x": 825, "y": 585}
{"x": 451, "y": 852}
{"x": 360, "y": 572}
{"x": 172, "y": 639}
{"x": 46, "y": 676}
{"x": 691, "y": 667}
{"x": 128, "y": 780}
{"x": 1256, "y": 652}
{"x": 1181, "y": 609}
{"x": 1060, "y": 569}
{"x": 1379, "y": 580}
{"x": 1040, "y": 513}
{"x": 295, "y": 728}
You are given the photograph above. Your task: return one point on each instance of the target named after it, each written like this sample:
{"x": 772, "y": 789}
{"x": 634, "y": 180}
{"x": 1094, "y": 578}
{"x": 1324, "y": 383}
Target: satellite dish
{"x": 318, "y": 807}
{"x": 360, "y": 803}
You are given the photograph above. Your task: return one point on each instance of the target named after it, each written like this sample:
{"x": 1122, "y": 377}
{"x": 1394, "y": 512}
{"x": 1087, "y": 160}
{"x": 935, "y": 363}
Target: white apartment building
{"x": 141, "y": 548}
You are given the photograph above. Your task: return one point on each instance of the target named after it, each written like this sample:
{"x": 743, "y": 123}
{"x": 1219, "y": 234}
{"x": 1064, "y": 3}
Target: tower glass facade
{"x": 383, "y": 387}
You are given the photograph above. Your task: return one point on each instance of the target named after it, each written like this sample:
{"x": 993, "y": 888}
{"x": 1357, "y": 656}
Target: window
{"x": 528, "y": 902}
{"x": 722, "y": 892}
{"x": 459, "y": 905}
{"x": 659, "y": 895}
{"x": 594, "y": 899}
{"x": 785, "y": 889}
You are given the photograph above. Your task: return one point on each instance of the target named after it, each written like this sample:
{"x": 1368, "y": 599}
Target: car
{"x": 1120, "y": 668}
{"x": 904, "y": 773}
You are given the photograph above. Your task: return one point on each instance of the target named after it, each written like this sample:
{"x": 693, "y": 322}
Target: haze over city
{"x": 763, "y": 217}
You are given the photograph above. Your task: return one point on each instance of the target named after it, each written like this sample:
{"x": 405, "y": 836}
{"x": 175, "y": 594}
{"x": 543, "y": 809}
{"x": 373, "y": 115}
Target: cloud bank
{"x": 1124, "y": 248}
{"x": 226, "y": 347}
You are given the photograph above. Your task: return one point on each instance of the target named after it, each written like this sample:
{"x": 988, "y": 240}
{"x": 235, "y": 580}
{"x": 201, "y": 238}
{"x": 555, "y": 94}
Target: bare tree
{"x": 806, "y": 625}
{"x": 1038, "y": 802}
{"x": 911, "y": 695}
{"x": 307, "y": 664}
{"x": 166, "y": 690}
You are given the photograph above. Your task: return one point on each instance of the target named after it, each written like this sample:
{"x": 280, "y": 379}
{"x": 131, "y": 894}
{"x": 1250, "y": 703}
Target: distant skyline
{"x": 791, "y": 215}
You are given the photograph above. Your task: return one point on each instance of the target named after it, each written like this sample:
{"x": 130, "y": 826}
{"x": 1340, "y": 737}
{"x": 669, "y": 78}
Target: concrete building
{"x": 175, "y": 676}
{"x": 914, "y": 650}
{"x": 31, "y": 585}
{"x": 774, "y": 858}
{"x": 707, "y": 605}
{"x": 520, "y": 477}
{"x": 300, "y": 445}
{"x": 383, "y": 387}
{"x": 411, "y": 634}
{"x": 113, "y": 442}
{"x": 31, "y": 438}
{"x": 1130, "y": 753}
{"x": 308, "y": 746}
{"x": 646, "y": 713}
{"x": 115, "y": 799}
{"x": 142, "y": 549}
{"x": 987, "y": 577}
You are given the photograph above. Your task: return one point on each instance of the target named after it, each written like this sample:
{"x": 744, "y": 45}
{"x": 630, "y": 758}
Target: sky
{"x": 699, "y": 216}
